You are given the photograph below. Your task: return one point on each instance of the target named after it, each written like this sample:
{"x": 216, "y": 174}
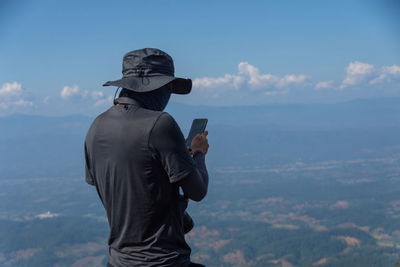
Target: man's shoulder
{"x": 165, "y": 125}
{"x": 115, "y": 113}
{"x": 147, "y": 118}
{"x": 165, "y": 120}
{"x": 159, "y": 119}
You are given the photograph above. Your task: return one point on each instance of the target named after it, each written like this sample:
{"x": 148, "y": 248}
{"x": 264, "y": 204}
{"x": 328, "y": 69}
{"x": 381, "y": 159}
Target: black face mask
{"x": 154, "y": 100}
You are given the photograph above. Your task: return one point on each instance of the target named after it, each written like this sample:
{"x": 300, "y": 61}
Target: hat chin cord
{"x": 115, "y": 96}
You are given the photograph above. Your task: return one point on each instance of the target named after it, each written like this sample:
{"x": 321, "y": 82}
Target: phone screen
{"x": 198, "y": 127}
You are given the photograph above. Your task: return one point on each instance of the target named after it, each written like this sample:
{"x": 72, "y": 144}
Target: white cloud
{"x": 94, "y": 98}
{"x": 393, "y": 70}
{"x": 97, "y": 94}
{"x": 254, "y": 78}
{"x": 249, "y": 76}
{"x": 356, "y": 73}
{"x": 324, "y": 85}
{"x": 386, "y": 74}
{"x": 252, "y": 86}
{"x": 257, "y": 80}
{"x": 101, "y": 99}
{"x": 23, "y": 103}
{"x": 73, "y": 92}
{"x": 46, "y": 100}
{"x": 104, "y": 101}
{"x": 249, "y": 85}
{"x": 363, "y": 73}
{"x": 226, "y": 80}
{"x": 289, "y": 80}
{"x": 11, "y": 89}
{"x": 11, "y": 96}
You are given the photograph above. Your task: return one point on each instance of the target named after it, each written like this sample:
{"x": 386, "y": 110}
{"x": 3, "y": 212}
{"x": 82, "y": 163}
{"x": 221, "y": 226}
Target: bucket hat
{"x": 148, "y": 69}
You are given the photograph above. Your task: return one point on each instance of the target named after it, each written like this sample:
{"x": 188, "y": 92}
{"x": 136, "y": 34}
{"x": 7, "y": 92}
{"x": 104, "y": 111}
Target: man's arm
{"x": 195, "y": 185}
{"x": 168, "y": 143}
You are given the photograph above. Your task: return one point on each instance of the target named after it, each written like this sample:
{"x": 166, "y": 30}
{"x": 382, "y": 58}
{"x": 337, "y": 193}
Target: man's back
{"x": 135, "y": 157}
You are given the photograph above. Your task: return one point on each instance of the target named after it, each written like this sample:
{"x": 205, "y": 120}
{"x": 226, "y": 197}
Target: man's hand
{"x": 200, "y": 142}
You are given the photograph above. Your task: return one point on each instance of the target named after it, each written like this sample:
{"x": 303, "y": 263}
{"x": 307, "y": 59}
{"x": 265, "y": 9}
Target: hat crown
{"x": 147, "y": 62}
{"x": 148, "y": 69}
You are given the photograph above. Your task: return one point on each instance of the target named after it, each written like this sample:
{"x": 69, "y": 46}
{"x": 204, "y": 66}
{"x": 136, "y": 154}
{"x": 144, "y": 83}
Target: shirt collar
{"x": 127, "y": 101}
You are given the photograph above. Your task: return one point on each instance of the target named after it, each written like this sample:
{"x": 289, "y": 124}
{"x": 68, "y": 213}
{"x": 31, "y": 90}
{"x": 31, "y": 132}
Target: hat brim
{"x": 149, "y": 83}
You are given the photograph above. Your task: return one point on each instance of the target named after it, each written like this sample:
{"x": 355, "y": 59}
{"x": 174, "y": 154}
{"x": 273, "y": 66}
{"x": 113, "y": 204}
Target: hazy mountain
{"x": 39, "y": 146}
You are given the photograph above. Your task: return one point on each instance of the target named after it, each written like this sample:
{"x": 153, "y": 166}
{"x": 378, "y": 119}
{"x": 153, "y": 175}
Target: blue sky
{"x": 55, "y": 55}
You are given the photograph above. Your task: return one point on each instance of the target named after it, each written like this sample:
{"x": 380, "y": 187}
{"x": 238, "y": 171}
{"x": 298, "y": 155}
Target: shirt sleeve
{"x": 167, "y": 141}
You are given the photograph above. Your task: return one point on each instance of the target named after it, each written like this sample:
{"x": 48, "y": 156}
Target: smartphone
{"x": 198, "y": 127}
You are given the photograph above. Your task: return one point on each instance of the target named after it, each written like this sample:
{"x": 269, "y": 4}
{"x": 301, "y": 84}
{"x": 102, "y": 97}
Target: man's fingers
{"x": 201, "y": 135}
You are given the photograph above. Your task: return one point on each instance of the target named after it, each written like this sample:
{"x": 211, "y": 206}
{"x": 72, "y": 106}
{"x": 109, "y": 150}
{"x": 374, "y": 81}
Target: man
{"x": 137, "y": 158}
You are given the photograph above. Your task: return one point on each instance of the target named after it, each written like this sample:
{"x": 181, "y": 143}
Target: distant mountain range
{"x": 44, "y": 146}
{"x": 361, "y": 113}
